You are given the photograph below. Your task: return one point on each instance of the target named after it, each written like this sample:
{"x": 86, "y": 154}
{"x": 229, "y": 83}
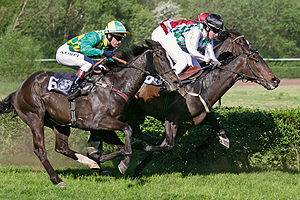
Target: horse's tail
{"x": 6, "y": 105}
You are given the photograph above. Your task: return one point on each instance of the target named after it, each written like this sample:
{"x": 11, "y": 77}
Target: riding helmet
{"x": 116, "y": 28}
{"x": 214, "y": 22}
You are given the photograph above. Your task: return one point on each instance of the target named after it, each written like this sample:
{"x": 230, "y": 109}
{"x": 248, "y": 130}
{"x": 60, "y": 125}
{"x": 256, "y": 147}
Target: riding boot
{"x": 74, "y": 92}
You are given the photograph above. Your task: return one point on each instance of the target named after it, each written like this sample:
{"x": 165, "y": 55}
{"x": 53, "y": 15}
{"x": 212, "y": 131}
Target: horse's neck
{"x": 130, "y": 79}
{"x": 218, "y": 82}
{"x": 224, "y": 46}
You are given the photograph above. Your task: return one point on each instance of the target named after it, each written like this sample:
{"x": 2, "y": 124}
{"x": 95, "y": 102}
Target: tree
{"x": 49, "y": 22}
{"x": 165, "y": 10}
{"x": 8, "y": 10}
{"x": 272, "y": 26}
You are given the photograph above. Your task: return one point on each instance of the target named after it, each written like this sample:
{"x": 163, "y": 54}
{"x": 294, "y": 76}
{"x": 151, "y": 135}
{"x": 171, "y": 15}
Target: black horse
{"x": 98, "y": 110}
{"x": 193, "y": 102}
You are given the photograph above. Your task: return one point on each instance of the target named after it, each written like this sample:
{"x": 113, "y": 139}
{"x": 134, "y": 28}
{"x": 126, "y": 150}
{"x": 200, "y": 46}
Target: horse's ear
{"x": 223, "y": 34}
{"x": 152, "y": 44}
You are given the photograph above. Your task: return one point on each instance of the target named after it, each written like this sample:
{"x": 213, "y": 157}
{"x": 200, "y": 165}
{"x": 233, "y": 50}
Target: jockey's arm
{"x": 192, "y": 43}
{"x": 89, "y": 43}
{"x": 209, "y": 51}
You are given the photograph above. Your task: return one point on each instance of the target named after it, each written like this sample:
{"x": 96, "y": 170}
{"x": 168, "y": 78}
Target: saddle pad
{"x": 60, "y": 82}
{"x": 150, "y": 80}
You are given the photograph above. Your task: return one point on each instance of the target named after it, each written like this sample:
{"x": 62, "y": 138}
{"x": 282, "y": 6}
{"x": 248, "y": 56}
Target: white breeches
{"x": 180, "y": 57}
{"x": 66, "y": 57}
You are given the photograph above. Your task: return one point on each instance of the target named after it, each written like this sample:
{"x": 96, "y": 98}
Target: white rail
{"x": 267, "y": 59}
{"x": 282, "y": 59}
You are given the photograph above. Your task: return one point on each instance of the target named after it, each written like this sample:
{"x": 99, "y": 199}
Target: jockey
{"x": 79, "y": 50}
{"x": 182, "y": 38}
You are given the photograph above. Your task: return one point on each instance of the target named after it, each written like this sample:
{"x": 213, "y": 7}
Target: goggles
{"x": 118, "y": 37}
{"x": 215, "y": 30}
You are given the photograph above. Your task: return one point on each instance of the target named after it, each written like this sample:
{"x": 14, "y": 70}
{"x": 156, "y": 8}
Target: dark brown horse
{"x": 98, "y": 110}
{"x": 193, "y": 101}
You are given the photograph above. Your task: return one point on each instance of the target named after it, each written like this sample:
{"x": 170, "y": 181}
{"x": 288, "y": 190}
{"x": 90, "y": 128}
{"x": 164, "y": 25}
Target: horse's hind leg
{"x": 97, "y": 138}
{"x": 62, "y": 146}
{"x": 37, "y": 129}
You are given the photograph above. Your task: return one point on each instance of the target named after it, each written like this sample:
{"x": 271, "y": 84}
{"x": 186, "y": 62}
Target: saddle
{"x": 191, "y": 72}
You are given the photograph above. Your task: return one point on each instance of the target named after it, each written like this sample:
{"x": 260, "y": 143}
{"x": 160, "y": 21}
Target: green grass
{"x": 28, "y": 183}
{"x": 258, "y": 97}
{"x": 8, "y": 87}
{"x": 243, "y": 96}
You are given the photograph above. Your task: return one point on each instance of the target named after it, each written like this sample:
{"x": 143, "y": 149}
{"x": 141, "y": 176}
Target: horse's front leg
{"x": 112, "y": 124}
{"x": 169, "y": 140}
{"x": 213, "y": 121}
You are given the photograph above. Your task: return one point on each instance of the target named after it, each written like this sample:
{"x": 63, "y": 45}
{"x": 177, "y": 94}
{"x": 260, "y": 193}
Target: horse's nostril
{"x": 276, "y": 80}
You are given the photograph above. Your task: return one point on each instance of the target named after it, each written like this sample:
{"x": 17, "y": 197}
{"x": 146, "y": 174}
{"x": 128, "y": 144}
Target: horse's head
{"x": 256, "y": 69}
{"x": 163, "y": 67}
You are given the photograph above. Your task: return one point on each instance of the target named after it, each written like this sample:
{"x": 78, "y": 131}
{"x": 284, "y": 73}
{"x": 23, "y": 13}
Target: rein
{"x": 150, "y": 70}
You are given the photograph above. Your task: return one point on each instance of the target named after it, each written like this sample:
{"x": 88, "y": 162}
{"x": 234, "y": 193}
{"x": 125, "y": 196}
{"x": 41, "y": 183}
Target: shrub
{"x": 259, "y": 139}
{"x": 18, "y": 53}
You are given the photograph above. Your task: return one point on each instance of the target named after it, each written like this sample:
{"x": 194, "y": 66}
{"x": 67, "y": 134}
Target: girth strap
{"x": 73, "y": 115}
{"x": 201, "y": 99}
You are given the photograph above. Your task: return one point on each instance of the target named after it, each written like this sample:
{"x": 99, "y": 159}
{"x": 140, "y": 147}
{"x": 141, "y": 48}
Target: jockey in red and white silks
{"x": 181, "y": 39}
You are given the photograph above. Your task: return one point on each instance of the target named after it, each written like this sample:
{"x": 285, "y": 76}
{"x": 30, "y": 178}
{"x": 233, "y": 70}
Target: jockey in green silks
{"x": 79, "y": 50}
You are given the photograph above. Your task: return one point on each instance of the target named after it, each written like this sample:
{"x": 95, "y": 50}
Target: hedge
{"x": 258, "y": 139}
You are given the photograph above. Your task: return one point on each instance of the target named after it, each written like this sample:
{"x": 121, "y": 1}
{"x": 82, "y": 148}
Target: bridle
{"x": 254, "y": 77}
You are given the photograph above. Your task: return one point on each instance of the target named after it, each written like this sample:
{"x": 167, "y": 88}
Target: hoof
{"x": 95, "y": 166}
{"x": 62, "y": 185}
{"x": 148, "y": 148}
{"x": 122, "y": 167}
{"x": 224, "y": 141}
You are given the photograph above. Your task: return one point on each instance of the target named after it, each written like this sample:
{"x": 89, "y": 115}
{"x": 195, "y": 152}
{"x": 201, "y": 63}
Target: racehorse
{"x": 193, "y": 102}
{"x": 99, "y": 110}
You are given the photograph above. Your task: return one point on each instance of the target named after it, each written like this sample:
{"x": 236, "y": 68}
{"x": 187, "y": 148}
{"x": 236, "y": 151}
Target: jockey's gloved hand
{"x": 112, "y": 60}
{"x": 102, "y": 67}
{"x": 99, "y": 68}
{"x": 215, "y": 63}
{"x": 109, "y": 54}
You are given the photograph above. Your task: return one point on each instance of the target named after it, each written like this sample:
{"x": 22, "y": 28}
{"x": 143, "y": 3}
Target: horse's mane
{"x": 223, "y": 35}
{"x": 128, "y": 56}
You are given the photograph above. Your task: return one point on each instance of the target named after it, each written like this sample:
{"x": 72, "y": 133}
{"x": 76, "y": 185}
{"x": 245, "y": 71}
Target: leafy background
{"x": 273, "y": 26}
